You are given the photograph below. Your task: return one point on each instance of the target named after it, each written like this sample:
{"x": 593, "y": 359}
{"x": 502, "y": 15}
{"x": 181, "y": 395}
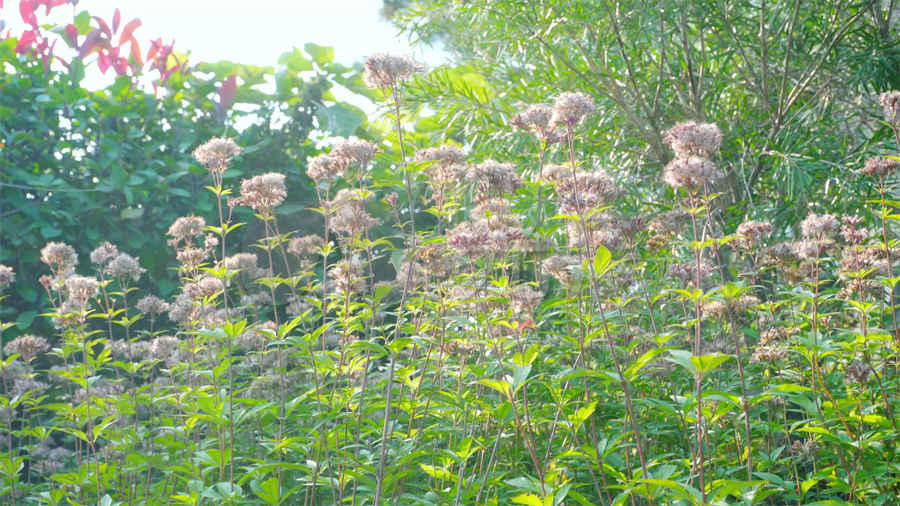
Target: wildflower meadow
{"x": 609, "y": 255}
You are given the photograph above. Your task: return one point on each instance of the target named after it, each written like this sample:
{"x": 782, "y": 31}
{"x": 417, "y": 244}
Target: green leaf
{"x": 266, "y": 490}
{"x": 705, "y": 364}
{"x": 531, "y": 500}
{"x": 320, "y": 54}
{"x": 341, "y": 119}
{"x": 295, "y": 61}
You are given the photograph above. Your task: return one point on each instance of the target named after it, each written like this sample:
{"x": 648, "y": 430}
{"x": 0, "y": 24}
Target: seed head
{"x": 582, "y": 191}
{"x": 494, "y": 178}
{"x": 879, "y": 166}
{"x": 890, "y": 101}
{"x": 358, "y": 152}
{"x": 565, "y": 268}
{"x": 7, "y": 276}
{"x": 442, "y": 155}
{"x": 325, "y": 167}
{"x": 81, "y": 289}
{"x": 27, "y": 346}
{"x": 693, "y": 139}
{"x": 186, "y": 228}
{"x": 152, "y": 305}
{"x": 349, "y": 212}
{"x": 691, "y": 173}
{"x": 819, "y": 225}
{"x": 60, "y": 257}
{"x": 216, "y": 153}
{"x": 751, "y": 233}
{"x": 306, "y": 245}
{"x": 124, "y": 266}
{"x": 247, "y": 263}
{"x": 386, "y": 71}
{"x": 523, "y": 299}
{"x": 570, "y": 108}
{"x": 104, "y": 253}
{"x": 537, "y": 119}
{"x": 263, "y": 193}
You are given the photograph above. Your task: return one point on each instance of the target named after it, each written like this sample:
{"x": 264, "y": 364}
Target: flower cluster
{"x": 537, "y": 120}
{"x": 890, "y": 101}
{"x": 694, "y": 144}
{"x": 263, "y": 193}
{"x": 570, "y": 108}
{"x": 386, "y": 71}
{"x": 216, "y": 153}
{"x": 879, "y": 167}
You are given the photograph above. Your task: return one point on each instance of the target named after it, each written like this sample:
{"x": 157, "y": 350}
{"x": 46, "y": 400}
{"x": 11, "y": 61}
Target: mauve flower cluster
{"x": 694, "y": 144}
{"x": 386, "y": 71}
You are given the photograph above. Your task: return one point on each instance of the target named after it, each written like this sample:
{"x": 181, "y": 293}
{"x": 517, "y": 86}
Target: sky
{"x": 255, "y": 31}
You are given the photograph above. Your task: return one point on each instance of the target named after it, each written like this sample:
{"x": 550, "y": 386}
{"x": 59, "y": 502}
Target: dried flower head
{"x": 691, "y": 173}
{"x": 852, "y": 231}
{"x": 346, "y": 275}
{"x": 167, "y": 349}
{"x": 325, "y": 167}
{"x": 879, "y": 166}
{"x": 60, "y": 257}
{"x": 819, "y": 225}
{"x": 890, "y": 101}
{"x": 183, "y": 310}
{"x": 565, "y": 268}
{"x": 7, "y": 276}
{"x": 582, "y": 191}
{"x": 570, "y": 108}
{"x": 537, "y": 119}
{"x": 247, "y": 263}
{"x": 670, "y": 222}
{"x": 693, "y": 139}
{"x": 751, "y": 233}
{"x": 104, "y": 253}
{"x": 443, "y": 155}
{"x": 27, "y": 346}
{"x": 81, "y": 289}
{"x": 523, "y": 299}
{"x": 386, "y": 71}
{"x": 349, "y": 215}
{"x": 216, "y": 153}
{"x": 125, "y": 266}
{"x": 152, "y": 305}
{"x": 358, "y": 152}
{"x": 688, "y": 273}
{"x": 812, "y": 249}
{"x": 730, "y": 308}
{"x": 411, "y": 274}
{"x": 305, "y": 245}
{"x": 186, "y": 228}
{"x": 494, "y": 178}
{"x": 263, "y": 193}
{"x": 206, "y": 286}
{"x": 769, "y": 353}
{"x": 192, "y": 258}
{"x": 858, "y": 372}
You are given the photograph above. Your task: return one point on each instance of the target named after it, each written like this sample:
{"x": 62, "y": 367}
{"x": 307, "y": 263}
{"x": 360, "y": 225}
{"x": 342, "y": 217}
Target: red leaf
{"x": 129, "y": 29}
{"x": 117, "y": 17}
{"x": 136, "y": 55}
{"x": 72, "y": 33}
{"x": 227, "y": 91}
{"x": 154, "y": 48}
{"x": 103, "y": 62}
{"x": 26, "y": 9}
{"x": 25, "y": 41}
{"x": 92, "y": 42}
{"x": 103, "y": 26}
